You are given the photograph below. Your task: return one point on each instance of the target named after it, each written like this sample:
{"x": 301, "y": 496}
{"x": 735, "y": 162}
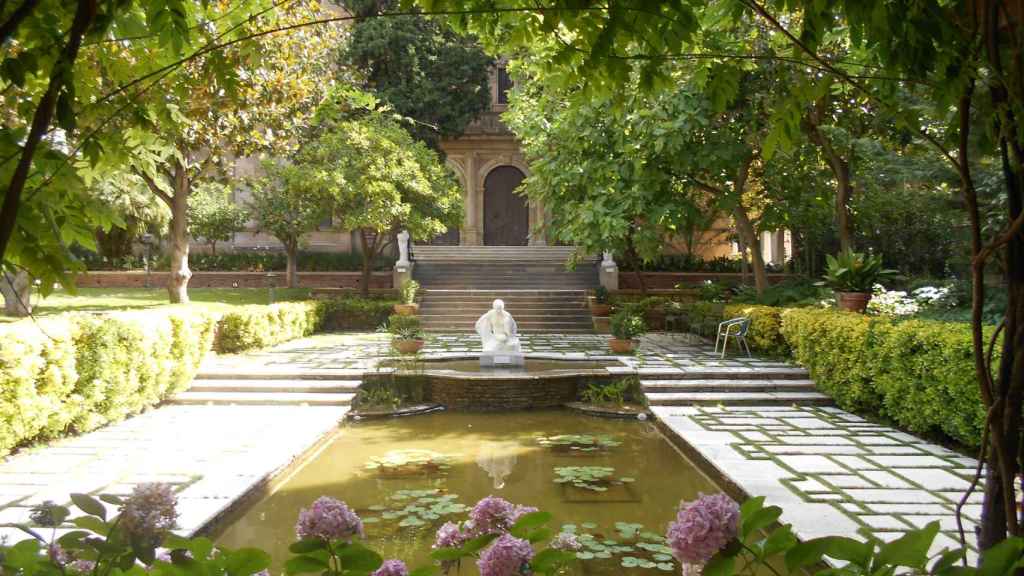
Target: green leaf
{"x": 539, "y": 535}
{"x": 447, "y": 554}
{"x": 762, "y": 518}
{"x": 89, "y": 505}
{"x": 477, "y": 544}
{"x": 911, "y": 549}
{"x": 528, "y": 522}
{"x": 245, "y": 561}
{"x": 304, "y": 546}
{"x": 92, "y": 523}
{"x": 304, "y": 564}
{"x": 779, "y": 540}
{"x": 838, "y": 547}
{"x": 549, "y": 560}
{"x": 1001, "y": 558}
{"x": 425, "y": 571}
{"x": 23, "y": 556}
{"x": 357, "y": 557}
{"x": 946, "y": 560}
{"x": 720, "y": 565}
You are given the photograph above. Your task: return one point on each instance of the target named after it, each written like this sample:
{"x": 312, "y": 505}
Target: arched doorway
{"x": 506, "y": 214}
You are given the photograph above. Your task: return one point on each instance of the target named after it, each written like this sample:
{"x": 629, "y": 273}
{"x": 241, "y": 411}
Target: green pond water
{"x": 405, "y": 477}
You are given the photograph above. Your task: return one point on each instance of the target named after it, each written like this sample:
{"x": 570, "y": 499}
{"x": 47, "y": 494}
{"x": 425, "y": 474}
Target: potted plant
{"x": 406, "y": 332}
{"x": 408, "y": 305}
{"x": 852, "y": 276}
{"x": 627, "y": 325}
{"x": 599, "y": 305}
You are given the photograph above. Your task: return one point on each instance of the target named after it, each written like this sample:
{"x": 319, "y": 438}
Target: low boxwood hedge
{"x": 77, "y": 372}
{"x": 259, "y": 326}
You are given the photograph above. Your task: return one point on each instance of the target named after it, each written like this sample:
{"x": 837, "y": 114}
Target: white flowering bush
{"x": 934, "y": 297}
{"x": 891, "y": 302}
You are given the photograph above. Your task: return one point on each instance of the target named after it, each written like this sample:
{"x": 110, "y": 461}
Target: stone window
{"x": 504, "y": 84}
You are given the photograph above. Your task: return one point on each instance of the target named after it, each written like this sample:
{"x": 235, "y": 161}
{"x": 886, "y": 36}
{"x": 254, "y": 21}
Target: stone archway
{"x": 506, "y": 214}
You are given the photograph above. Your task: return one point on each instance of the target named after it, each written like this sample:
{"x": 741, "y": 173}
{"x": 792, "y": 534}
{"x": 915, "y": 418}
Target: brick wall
{"x": 667, "y": 280}
{"x": 232, "y": 280}
{"x": 487, "y": 394}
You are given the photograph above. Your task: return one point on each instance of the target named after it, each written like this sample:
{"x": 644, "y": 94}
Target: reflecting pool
{"x": 617, "y": 481}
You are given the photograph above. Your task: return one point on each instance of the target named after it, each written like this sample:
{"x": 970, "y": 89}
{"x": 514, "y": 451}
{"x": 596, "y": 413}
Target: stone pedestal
{"x": 400, "y": 275}
{"x": 502, "y": 359}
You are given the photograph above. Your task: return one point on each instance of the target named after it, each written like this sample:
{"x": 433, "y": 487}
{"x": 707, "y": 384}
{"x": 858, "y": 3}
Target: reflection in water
{"x": 483, "y": 454}
{"x": 497, "y": 459}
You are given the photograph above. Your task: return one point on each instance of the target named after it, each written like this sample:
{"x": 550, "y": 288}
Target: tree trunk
{"x": 292, "y": 253}
{"x": 369, "y": 253}
{"x": 84, "y": 16}
{"x": 213, "y": 248}
{"x": 16, "y": 289}
{"x": 750, "y": 237}
{"x": 177, "y": 283}
{"x": 840, "y": 168}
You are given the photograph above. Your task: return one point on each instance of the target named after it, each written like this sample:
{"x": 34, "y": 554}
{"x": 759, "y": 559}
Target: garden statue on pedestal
{"x": 499, "y": 337}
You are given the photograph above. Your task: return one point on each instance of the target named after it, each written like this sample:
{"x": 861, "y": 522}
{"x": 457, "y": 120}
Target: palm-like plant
{"x": 851, "y": 271}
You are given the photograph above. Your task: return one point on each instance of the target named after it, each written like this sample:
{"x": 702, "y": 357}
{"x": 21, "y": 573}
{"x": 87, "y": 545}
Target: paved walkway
{"x": 832, "y": 472}
{"x": 212, "y": 454}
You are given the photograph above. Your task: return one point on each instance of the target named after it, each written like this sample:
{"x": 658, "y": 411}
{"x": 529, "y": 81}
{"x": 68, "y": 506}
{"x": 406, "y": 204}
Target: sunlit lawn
{"x": 106, "y": 299}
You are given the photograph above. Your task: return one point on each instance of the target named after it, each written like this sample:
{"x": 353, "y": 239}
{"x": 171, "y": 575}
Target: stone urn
{"x": 620, "y": 346}
{"x": 853, "y": 301}
{"x": 407, "y": 346}
{"x": 406, "y": 309}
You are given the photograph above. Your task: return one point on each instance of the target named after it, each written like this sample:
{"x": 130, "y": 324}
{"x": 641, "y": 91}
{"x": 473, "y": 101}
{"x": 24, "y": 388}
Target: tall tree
{"x": 379, "y": 179}
{"x": 213, "y": 214}
{"x": 419, "y": 66}
{"x": 288, "y": 202}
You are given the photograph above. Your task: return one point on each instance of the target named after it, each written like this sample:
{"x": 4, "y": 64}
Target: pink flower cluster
{"x": 494, "y": 515}
{"x": 149, "y": 512}
{"x": 328, "y": 519}
{"x": 506, "y": 556}
{"x": 567, "y": 542}
{"x": 450, "y": 535}
{"x": 392, "y": 568}
{"x": 703, "y": 527}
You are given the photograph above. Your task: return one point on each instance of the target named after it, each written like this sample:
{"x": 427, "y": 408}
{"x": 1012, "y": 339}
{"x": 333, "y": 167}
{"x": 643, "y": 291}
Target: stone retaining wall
{"x": 668, "y": 280}
{"x": 483, "y": 395}
{"x": 232, "y": 280}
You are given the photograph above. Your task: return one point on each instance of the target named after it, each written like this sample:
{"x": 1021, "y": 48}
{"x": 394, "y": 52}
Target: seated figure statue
{"x": 497, "y": 330}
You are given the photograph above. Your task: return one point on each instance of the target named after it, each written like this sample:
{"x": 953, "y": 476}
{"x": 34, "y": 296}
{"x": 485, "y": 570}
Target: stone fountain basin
{"x": 460, "y": 383}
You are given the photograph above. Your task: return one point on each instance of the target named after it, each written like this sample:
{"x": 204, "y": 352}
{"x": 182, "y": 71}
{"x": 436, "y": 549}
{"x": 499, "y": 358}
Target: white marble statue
{"x": 403, "y": 249}
{"x": 497, "y": 330}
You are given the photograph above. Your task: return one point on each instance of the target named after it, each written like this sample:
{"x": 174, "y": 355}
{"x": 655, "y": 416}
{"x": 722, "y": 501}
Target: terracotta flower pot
{"x": 853, "y": 301}
{"x": 407, "y": 346}
{"x": 602, "y": 324}
{"x": 406, "y": 309}
{"x": 621, "y": 346}
{"x": 600, "y": 310}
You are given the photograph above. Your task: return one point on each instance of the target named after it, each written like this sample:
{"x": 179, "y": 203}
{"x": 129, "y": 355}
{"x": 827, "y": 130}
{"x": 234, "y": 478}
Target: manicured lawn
{"x": 106, "y": 299}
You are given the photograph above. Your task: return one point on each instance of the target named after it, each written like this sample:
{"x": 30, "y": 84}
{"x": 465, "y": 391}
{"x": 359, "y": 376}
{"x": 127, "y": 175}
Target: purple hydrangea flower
{"x": 520, "y": 511}
{"x": 150, "y": 511}
{"x": 703, "y": 527}
{"x": 392, "y": 568}
{"x": 506, "y": 556}
{"x": 567, "y": 542}
{"x": 450, "y": 535}
{"x": 491, "y": 514}
{"x": 328, "y": 519}
{"x": 58, "y": 555}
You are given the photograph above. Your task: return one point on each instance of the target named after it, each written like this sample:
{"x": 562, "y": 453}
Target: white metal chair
{"x": 736, "y": 329}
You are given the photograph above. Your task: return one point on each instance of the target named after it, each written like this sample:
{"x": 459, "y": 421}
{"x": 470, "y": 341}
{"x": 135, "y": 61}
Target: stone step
{"x": 488, "y": 292}
{"x": 738, "y": 399}
{"x": 725, "y": 385}
{"x": 731, "y": 373}
{"x": 273, "y": 385}
{"x": 263, "y": 398}
{"x": 215, "y": 372}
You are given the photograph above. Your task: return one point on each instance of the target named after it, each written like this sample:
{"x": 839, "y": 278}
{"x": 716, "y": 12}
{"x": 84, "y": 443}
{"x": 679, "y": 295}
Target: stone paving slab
{"x": 211, "y": 454}
{"x": 832, "y": 472}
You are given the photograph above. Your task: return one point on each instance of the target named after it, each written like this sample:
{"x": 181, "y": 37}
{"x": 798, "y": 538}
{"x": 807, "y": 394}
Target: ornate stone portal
{"x": 499, "y": 337}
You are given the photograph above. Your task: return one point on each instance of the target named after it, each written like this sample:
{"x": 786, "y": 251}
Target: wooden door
{"x": 506, "y": 214}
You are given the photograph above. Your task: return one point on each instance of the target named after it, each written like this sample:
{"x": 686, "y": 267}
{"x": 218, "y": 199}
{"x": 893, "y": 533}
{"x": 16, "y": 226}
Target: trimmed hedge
{"x": 258, "y": 326}
{"x": 765, "y": 334}
{"x": 358, "y": 313}
{"x": 919, "y": 373}
{"x": 78, "y": 372}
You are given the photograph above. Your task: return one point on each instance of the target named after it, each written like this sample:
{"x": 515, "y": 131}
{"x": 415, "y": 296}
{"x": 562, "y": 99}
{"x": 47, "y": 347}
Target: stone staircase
{"x": 253, "y": 389}
{"x": 734, "y": 386}
{"x": 460, "y": 283}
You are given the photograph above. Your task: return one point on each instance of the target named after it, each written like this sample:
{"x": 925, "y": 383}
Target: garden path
{"x": 831, "y": 471}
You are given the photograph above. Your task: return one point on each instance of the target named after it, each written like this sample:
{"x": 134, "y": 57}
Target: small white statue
{"x": 497, "y": 330}
{"x": 403, "y": 249}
